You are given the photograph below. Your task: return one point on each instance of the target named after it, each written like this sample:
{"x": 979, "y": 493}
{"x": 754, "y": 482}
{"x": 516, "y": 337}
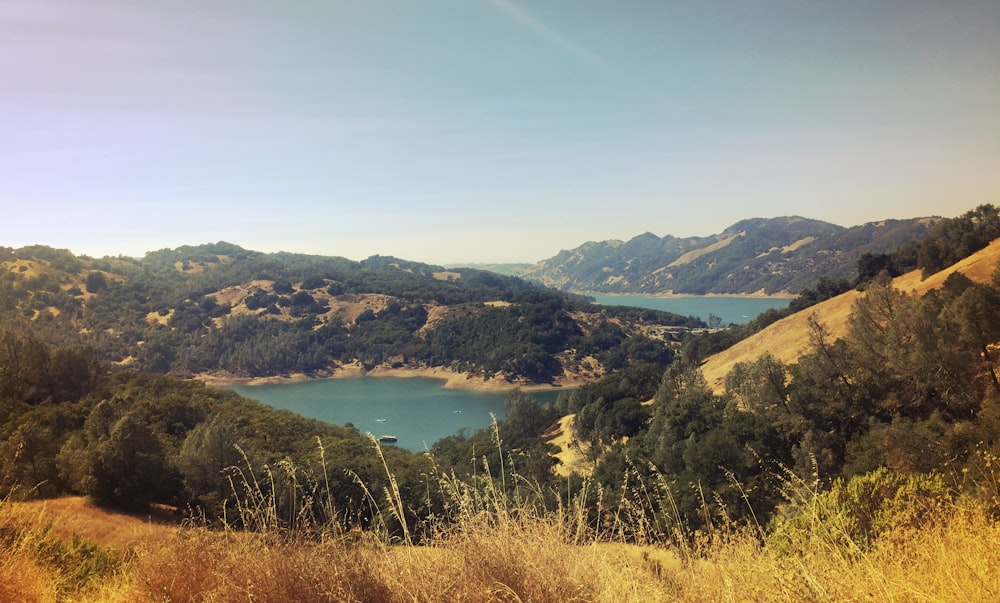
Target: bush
{"x": 853, "y": 514}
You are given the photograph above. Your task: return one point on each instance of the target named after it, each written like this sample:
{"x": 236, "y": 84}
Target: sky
{"x": 449, "y": 131}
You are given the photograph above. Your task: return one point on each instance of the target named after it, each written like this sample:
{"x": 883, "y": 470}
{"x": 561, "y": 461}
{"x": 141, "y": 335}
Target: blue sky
{"x": 484, "y": 130}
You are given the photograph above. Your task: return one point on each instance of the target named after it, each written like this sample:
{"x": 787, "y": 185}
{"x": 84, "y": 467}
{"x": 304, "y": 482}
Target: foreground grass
{"x": 882, "y": 536}
{"x": 954, "y": 557}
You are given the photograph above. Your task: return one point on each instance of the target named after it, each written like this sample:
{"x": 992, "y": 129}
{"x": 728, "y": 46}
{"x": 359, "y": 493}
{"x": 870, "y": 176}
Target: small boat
{"x": 380, "y": 420}
{"x": 388, "y": 439}
{"x": 456, "y": 411}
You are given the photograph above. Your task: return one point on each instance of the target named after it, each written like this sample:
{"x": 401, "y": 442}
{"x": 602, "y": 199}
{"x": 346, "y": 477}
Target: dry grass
{"x": 785, "y": 339}
{"x": 75, "y": 516}
{"x": 522, "y": 562}
{"x": 572, "y": 453}
{"x": 956, "y": 558}
{"x": 503, "y": 548}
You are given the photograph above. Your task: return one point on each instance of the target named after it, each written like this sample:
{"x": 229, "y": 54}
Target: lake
{"x": 418, "y": 411}
{"x": 732, "y": 310}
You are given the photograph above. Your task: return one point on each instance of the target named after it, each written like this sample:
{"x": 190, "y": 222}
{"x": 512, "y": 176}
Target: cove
{"x": 417, "y": 410}
{"x": 732, "y": 310}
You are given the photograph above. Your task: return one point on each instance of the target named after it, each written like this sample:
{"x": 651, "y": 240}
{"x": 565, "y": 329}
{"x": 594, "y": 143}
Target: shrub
{"x": 853, "y": 514}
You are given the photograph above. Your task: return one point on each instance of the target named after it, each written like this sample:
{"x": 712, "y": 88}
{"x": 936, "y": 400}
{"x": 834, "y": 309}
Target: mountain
{"x": 226, "y": 311}
{"x": 772, "y": 256}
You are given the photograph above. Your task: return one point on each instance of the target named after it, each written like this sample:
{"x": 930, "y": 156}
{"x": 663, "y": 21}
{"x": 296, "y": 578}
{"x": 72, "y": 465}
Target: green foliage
{"x": 912, "y": 388}
{"x": 953, "y": 239}
{"x": 32, "y": 373}
{"x": 80, "y": 564}
{"x": 608, "y": 409}
{"x": 854, "y": 513}
{"x": 118, "y": 460}
{"x": 96, "y": 282}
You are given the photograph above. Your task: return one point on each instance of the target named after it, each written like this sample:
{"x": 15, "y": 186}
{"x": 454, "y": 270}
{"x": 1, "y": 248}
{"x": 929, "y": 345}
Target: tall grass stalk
{"x": 496, "y": 541}
{"x": 392, "y": 494}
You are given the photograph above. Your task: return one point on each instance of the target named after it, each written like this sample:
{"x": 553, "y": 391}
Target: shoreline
{"x": 672, "y": 295}
{"x": 451, "y": 379}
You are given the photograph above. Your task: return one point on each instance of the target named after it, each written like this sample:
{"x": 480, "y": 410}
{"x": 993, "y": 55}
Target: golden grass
{"x": 503, "y": 548}
{"x": 572, "y": 453}
{"x": 955, "y": 558}
{"x": 694, "y": 254}
{"x": 526, "y": 561}
{"x": 75, "y": 516}
{"x": 786, "y": 339}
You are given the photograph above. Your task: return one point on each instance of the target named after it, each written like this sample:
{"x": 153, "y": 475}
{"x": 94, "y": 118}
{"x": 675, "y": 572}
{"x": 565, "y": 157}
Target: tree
{"x": 760, "y": 385}
{"x": 976, "y": 313}
{"x": 117, "y": 459}
{"x": 208, "y": 450}
{"x": 27, "y": 459}
{"x": 526, "y": 419}
{"x": 96, "y": 282}
{"x": 869, "y": 331}
{"x": 24, "y": 367}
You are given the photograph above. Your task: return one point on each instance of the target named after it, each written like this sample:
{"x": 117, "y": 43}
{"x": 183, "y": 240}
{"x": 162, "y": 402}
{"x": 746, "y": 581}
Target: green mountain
{"x": 221, "y": 309}
{"x": 772, "y": 256}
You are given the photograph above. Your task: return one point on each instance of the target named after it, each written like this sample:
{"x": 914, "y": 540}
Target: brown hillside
{"x": 786, "y": 339}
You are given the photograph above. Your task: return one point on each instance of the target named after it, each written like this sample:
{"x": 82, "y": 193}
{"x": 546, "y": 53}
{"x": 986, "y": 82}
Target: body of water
{"x": 732, "y": 310}
{"x": 416, "y": 410}
{"x": 419, "y": 411}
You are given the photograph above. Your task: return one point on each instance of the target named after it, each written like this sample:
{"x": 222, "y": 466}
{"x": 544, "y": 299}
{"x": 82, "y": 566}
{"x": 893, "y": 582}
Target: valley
{"x": 869, "y": 398}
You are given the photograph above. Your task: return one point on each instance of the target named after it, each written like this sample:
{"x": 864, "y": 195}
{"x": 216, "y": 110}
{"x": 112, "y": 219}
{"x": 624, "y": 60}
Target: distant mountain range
{"x": 771, "y": 256}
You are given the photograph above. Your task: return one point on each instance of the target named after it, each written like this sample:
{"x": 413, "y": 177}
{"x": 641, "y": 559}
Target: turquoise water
{"x": 416, "y": 410}
{"x": 732, "y": 310}
{"x": 420, "y": 411}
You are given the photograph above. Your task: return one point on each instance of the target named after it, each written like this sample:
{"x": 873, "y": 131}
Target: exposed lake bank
{"x": 450, "y": 379}
{"x": 671, "y": 295}
{"x": 732, "y": 309}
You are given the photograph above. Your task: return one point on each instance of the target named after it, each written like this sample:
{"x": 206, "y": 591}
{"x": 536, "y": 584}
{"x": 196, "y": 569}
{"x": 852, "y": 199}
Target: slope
{"x": 786, "y": 339}
{"x": 773, "y": 255}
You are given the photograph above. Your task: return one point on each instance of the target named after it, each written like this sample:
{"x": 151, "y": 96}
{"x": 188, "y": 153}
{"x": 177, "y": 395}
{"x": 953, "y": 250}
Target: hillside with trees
{"x": 772, "y": 256}
{"x": 222, "y": 309}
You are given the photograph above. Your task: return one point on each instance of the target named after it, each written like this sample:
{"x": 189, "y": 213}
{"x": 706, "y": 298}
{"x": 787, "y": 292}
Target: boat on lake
{"x": 388, "y": 439}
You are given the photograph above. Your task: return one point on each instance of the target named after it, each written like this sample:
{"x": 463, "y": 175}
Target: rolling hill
{"x": 226, "y": 311}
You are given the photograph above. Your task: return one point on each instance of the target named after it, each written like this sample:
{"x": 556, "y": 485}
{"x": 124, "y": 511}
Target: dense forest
{"x": 912, "y": 389}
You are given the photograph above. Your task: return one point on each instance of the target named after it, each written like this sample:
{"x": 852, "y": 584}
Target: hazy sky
{"x": 484, "y": 130}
